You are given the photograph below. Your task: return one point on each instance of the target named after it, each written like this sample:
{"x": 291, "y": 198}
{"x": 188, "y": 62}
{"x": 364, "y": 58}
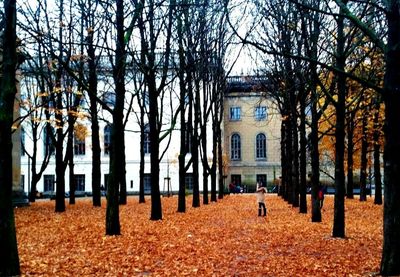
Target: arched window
{"x": 107, "y": 139}
{"x": 146, "y": 142}
{"x": 235, "y": 147}
{"x": 261, "y": 146}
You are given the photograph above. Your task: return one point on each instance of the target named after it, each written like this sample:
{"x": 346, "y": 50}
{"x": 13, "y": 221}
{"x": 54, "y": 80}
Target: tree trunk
{"x": 142, "y": 154}
{"x": 303, "y": 154}
{"x": 9, "y": 259}
{"x": 390, "y": 264}
{"x": 96, "y": 149}
{"x": 60, "y": 166}
{"x": 112, "y": 211}
{"x": 350, "y": 150}
{"x": 116, "y": 173}
{"x": 339, "y": 219}
{"x": 364, "y": 160}
{"x": 70, "y": 159}
{"x": 314, "y": 153}
{"x": 377, "y": 162}
{"x": 183, "y": 132}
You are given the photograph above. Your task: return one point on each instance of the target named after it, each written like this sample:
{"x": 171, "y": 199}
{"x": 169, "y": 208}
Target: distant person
{"x": 321, "y": 196}
{"x": 260, "y": 192}
{"x": 231, "y": 188}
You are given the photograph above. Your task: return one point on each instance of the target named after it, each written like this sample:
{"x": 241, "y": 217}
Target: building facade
{"x": 251, "y": 135}
{"x": 251, "y": 130}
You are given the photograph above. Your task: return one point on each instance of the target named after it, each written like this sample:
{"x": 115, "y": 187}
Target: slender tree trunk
{"x": 364, "y": 159}
{"x": 60, "y": 166}
{"x": 350, "y": 161}
{"x": 377, "y": 162}
{"x": 303, "y": 154}
{"x": 9, "y": 259}
{"x": 314, "y": 153}
{"x": 182, "y": 152}
{"x": 142, "y": 154}
{"x": 339, "y": 214}
{"x": 96, "y": 149}
{"x": 70, "y": 158}
{"x": 112, "y": 212}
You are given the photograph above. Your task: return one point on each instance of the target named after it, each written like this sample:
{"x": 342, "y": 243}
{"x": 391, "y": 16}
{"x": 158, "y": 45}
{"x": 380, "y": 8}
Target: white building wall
{"x": 82, "y": 163}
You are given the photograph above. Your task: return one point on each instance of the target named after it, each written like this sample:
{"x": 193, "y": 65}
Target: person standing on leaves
{"x": 260, "y": 192}
{"x": 321, "y": 196}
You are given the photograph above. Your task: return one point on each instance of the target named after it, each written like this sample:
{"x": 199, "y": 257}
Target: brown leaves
{"x": 220, "y": 239}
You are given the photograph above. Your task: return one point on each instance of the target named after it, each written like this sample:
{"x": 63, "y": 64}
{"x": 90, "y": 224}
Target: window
{"x": 48, "y": 146}
{"x": 79, "y": 182}
{"x": 48, "y": 182}
{"x": 147, "y": 183}
{"x": 107, "y": 139}
{"x": 235, "y": 147}
{"x": 261, "y": 146}
{"x": 260, "y": 113}
{"x": 79, "y": 146}
{"x": 146, "y": 142}
{"x": 189, "y": 181}
{"x": 235, "y": 113}
{"x": 262, "y": 179}
{"x": 236, "y": 179}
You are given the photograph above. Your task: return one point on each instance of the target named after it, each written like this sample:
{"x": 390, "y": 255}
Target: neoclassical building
{"x": 251, "y": 134}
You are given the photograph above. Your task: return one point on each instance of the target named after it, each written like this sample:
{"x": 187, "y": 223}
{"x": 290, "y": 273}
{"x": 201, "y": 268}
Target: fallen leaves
{"x": 226, "y": 238}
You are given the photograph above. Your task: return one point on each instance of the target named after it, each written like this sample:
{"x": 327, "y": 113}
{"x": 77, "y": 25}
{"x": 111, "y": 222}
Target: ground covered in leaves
{"x": 226, "y": 238}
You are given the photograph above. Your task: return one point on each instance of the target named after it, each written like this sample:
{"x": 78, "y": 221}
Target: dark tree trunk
{"x": 59, "y": 143}
{"x": 289, "y": 156}
{"x": 116, "y": 172}
{"x": 303, "y": 153}
{"x": 9, "y": 259}
{"x": 142, "y": 154}
{"x": 295, "y": 163}
{"x": 156, "y": 209}
{"x": 112, "y": 211}
{"x": 364, "y": 160}
{"x": 195, "y": 150}
{"x": 183, "y": 93}
{"x": 70, "y": 158}
{"x": 377, "y": 162}
{"x": 350, "y": 150}
{"x": 213, "y": 172}
{"x": 314, "y": 153}
{"x": 390, "y": 264}
{"x": 96, "y": 150}
{"x": 282, "y": 187}
{"x": 60, "y": 165}
{"x": 339, "y": 214}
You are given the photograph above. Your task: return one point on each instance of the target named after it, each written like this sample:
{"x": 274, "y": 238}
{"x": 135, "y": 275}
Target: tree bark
{"x": 350, "y": 150}
{"x": 339, "y": 214}
{"x": 390, "y": 264}
{"x": 9, "y": 259}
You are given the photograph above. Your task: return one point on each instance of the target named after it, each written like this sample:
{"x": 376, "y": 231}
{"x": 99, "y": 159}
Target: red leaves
{"x": 221, "y": 239}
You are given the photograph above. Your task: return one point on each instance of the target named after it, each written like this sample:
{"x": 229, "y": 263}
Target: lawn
{"x": 226, "y": 238}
